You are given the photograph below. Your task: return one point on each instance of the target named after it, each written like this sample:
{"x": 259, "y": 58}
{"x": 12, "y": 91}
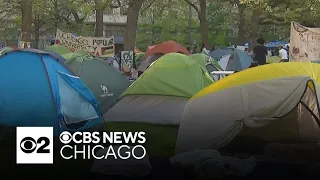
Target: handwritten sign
{"x": 97, "y": 46}
{"x": 127, "y": 60}
{"x": 304, "y": 43}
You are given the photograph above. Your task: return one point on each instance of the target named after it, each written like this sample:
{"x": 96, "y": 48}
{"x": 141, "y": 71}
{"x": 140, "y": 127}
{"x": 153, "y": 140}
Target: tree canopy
{"x": 219, "y": 22}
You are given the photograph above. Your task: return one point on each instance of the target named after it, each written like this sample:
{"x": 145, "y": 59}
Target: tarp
{"x": 304, "y": 43}
{"x": 173, "y": 74}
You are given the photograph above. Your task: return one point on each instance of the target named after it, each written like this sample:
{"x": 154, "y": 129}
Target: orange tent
{"x": 150, "y": 47}
{"x": 167, "y": 47}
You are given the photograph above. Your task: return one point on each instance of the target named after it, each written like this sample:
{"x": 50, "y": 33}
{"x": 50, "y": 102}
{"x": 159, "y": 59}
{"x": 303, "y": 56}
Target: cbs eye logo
{"x": 28, "y": 145}
{"x": 65, "y": 137}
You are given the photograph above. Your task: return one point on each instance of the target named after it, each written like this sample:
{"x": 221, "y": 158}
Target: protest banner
{"x": 304, "y": 43}
{"x": 127, "y": 58}
{"x": 97, "y": 46}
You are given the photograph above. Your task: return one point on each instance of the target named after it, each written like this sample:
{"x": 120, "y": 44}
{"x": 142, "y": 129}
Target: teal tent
{"x": 106, "y": 83}
{"x": 5, "y": 50}
{"x": 239, "y": 60}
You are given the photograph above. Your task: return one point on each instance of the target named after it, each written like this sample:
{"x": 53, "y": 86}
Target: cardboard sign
{"x": 127, "y": 60}
{"x": 97, "y": 46}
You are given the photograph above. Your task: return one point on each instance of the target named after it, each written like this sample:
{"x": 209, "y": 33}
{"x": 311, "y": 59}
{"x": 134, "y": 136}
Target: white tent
{"x": 278, "y": 109}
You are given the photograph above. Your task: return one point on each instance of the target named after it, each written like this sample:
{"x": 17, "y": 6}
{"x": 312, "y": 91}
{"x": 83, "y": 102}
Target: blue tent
{"x": 239, "y": 60}
{"x": 38, "y": 90}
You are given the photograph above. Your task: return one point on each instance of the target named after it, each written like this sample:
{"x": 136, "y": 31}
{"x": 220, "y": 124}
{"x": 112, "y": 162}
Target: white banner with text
{"x": 304, "y": 43}
{"x": 97, "y": 46}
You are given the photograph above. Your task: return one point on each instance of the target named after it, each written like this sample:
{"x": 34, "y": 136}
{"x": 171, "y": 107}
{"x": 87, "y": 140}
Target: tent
{"x": 273, "y": 59}
{"x": 239, "y": 60}
{"x": 154, "y": 103}
{"x": 69, "y": 56}
{"x": 147, "y": 61}
{"x": 150, "y": 47}
{"x": 275, "y": 103}
{"x": 159, "y": 95}
{"x": 202, "y": 58}
{"x": 167, "y": 47}
{"x": 106, "y": 83}
{"x": 218, "y": 53}
{"x": 207, "y": 63}
{"x": 5, "y": 50}
{"x": 38, "y": 90}
{"x": 58, "y": 49}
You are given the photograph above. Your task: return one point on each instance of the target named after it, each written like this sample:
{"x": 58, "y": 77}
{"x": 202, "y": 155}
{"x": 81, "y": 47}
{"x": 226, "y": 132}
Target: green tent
{"x": 5, "y": 50}
{"x": 58, "y": 49}
{"x": 80, "y": 52}
{"x": 201, "y": 58}
{"x": 181, "y": 75}
{"x": 70, "y": 56}
{"x": 207, "y": 63}
{"x": 273, "y": 59}
{"x": 156, "y": 101}
{"x": 106, "y": 83}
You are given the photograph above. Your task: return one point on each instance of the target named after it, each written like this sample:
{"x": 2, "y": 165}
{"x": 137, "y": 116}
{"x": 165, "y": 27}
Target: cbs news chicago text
{"x": 35, "y": 145}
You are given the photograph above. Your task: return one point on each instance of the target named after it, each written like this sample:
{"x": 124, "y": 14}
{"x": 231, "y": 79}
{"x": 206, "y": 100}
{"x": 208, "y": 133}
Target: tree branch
{"x": 193, "y": 5}
{"x": 117, "y": 5}
{"x": 147, "y": 7}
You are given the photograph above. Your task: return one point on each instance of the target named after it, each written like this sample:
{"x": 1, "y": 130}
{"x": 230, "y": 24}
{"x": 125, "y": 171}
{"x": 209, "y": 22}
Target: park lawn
{"x": 161, "y": 139}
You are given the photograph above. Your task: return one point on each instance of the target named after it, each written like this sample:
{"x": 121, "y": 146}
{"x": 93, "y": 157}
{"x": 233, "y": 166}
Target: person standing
{"x": 283, "y": 54}
{"x": 204, "y": 50}
{"x": 260, "y": 52}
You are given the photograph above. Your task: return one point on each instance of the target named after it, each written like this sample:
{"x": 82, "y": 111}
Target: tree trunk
{"x": 131, "y": 27}
{"x": 37, "y": 32}
{"x": 26, "y": 7}
{"x": 203, "y": 23}
{"x": 56, "y": 15}
{"x": 242, "y": 24}
{"x": 254, "y": 24}
{"x": 99, "y": 19}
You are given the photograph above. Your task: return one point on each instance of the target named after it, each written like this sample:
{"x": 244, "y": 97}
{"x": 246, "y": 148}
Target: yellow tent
{"x": 273, "y": 59}
{"x": 276, "y": 102}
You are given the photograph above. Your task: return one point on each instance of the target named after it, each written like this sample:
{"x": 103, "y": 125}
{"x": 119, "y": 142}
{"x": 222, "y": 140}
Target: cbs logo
{"x": 65, "y": 137}
{"x": 28, "y": 145}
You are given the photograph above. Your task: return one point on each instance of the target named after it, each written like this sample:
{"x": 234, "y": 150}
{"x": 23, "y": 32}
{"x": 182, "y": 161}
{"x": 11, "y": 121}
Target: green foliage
{"x": 162, "y": 20}
{"x": 166, "y": 21}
